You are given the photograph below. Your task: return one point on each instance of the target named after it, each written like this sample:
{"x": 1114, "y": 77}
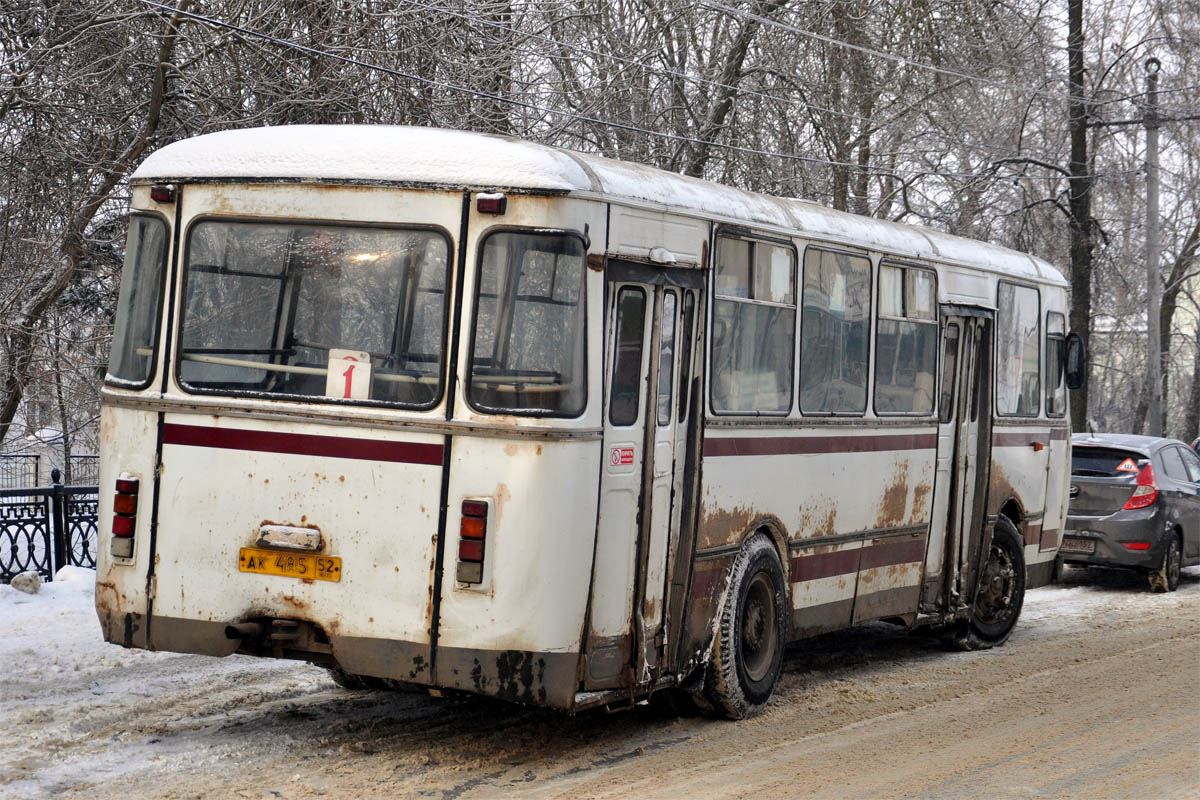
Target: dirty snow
{"x": 1079, "y": 703}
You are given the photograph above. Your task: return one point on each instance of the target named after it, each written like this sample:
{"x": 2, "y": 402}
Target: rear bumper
{"x": 519, "y": 676}
{"x": 1110, "y": 532}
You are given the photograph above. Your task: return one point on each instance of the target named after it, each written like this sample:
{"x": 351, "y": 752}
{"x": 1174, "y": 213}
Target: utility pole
{"x": 1154, "y": 414}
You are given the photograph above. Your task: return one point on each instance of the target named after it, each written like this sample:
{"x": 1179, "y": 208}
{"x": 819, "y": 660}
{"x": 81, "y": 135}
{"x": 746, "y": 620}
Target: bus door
{"x": 963, "y": 455}
{"x": 651, "y": 335}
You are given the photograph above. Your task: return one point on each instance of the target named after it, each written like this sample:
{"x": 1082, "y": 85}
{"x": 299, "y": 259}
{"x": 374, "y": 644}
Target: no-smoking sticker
{"x": 620, "y": 458}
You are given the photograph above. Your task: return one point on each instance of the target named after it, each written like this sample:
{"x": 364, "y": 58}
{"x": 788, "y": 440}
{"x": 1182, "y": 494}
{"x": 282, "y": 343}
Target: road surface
{"x": 1096, "y": 695}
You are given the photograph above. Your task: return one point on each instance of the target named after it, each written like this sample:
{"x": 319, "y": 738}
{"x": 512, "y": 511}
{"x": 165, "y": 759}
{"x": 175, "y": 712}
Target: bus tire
{"x": 1000, "y": 593}
{"x": 747, "y": 650}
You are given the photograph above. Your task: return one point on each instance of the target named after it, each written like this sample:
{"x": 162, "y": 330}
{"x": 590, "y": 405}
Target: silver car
{"x": 1135, "y": 504}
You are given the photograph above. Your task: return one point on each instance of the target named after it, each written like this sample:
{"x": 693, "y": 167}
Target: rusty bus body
{"x": 689, "y": 425}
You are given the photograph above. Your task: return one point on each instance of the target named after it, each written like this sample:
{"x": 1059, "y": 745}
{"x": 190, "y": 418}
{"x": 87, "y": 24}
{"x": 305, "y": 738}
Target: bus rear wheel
{"x": 747, "y": 651}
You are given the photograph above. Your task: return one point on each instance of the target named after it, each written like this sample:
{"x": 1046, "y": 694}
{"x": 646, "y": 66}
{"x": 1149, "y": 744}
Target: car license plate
{"x": 291, "y": 565}
{"x": 1073, "y": 545}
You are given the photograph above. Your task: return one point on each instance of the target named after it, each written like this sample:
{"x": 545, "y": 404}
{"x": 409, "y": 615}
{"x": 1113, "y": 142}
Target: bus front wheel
{"x": 1000, "y": 593}
{"x": 747, "y": 651}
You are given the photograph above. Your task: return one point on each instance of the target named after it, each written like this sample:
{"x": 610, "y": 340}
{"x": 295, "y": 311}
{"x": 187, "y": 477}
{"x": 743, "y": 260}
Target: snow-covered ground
{"x": 82, "y": 717}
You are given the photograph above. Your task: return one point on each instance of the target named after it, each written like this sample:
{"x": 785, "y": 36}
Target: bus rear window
{"x": 131, "y": 362}
{"x": 334, "y": 312}
{"x": 528, "y": 353}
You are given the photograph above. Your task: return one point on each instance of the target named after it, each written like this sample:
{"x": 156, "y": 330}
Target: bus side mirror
{"x": 1076, "y": 366}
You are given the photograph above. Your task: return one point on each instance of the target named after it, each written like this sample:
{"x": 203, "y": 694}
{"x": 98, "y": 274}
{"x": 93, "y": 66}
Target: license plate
{"x": 290, "y": 565}
{"x": 1073, "y": 545}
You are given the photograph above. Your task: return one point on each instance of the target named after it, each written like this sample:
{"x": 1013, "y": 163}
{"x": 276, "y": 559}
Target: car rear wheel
{"x": 1166, "y": 577}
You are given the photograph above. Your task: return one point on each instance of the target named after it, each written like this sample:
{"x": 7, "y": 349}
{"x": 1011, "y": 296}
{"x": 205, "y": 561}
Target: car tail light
{"x": 124, "y": 515}
{"x": 1136, "y": 545}
{"x": 472, "y": 534}
{"x": 1146, "y": 492}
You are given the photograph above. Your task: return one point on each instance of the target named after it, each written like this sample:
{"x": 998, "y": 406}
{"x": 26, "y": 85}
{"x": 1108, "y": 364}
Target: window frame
{"x": 447, "y": 308}
{"x": 480, "y": 248}
{"x": 1061, "y": 339}
{"x": 868, "y": 399}
{"x": 168, "y": 248}
{"x": 616, "y": 360}
{"x": 936, "y": 323}
{"x": 1037, "y": 412}
{"x": 741, "y": 234}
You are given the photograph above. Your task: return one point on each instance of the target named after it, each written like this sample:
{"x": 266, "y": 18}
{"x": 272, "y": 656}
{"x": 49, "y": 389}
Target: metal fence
{"x": 19, "y": 471}
{"x": 47, "y": 527}
{"x": 85, "y": 470}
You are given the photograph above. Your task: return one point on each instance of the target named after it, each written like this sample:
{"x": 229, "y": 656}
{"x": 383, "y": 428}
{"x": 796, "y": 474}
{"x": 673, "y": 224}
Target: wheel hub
{"x": 996, "y": 585}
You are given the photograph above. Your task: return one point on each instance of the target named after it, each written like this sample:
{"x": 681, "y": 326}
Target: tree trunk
{"x": 1080, "y": 205}
{"x": 1191, "y": 419}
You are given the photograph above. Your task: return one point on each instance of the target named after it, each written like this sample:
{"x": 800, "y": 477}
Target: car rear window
{"x": 1109, "y": 462}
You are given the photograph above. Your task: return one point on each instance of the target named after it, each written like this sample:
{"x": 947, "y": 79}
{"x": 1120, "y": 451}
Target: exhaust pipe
{"x": 244, "y": 630}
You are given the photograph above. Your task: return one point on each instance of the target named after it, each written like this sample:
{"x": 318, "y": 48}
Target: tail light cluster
{"x": 1146, "y": 492}
{"x": 124, "y": 522}
{"x": 472, "y": 536}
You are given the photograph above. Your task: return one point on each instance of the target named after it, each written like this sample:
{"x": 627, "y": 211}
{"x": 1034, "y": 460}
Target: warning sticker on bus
{"x": 290, "y": 565}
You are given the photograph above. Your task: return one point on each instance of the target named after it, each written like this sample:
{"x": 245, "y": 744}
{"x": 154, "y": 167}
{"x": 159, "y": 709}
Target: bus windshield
{"x": 329, "y": 311}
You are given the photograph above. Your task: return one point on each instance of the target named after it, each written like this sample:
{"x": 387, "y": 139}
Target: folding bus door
{"x": 652, "y": 318}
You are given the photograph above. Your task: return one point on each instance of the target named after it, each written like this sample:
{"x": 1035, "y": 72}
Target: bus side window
{"x": 627, "y": 361}
{"x": 836, "y": 323}
{"x": 666, "y": 359}
{"x": 685, "y": 352}
{"x": 905, "y": 341}
{"x": 1018, "y": 350}
{"x": 949, "y": 371}
{"x": 1056, "y": 349}
{"x": 754, "y": 319}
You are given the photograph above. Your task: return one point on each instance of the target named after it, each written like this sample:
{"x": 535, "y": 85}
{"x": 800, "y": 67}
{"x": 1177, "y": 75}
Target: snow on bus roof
{"x": 440, "y": 157}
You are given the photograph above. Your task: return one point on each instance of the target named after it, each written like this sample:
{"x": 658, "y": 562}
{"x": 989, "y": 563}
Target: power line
{"x": 875, "y": 123}
{"x": 908, "y": 62}
{"x": 499, "y": 98}
{"x": 309, "y": 50}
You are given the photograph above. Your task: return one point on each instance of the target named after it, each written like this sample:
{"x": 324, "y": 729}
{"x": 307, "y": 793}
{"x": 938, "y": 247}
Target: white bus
{"x": 472, "y": 413}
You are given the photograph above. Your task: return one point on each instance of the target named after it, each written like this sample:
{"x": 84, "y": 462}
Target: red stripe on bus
{"x": 704, "y": 580}
{"x": 1033, "y": 533}
{"x": 804, "y": 445}
{"x": 886, "y": 554}
{"x": 1048, "y": 539}
{"x": 849, "y": 562}
{"x": 1059, "y": 434}
{"x": 825, "y": 565}
{"x": 302, "y": 444}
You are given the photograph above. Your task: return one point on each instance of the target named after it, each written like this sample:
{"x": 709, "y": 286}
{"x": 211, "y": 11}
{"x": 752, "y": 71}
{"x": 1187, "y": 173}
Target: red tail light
{"x": 472, "y": 534}
{"x": 1136, "y": 545}
{"x": 124, "y": 522}
{"x": 1146, "y": 492}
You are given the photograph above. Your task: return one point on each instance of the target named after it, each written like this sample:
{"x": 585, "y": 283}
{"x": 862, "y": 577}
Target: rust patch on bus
{"x": 893, "y": 508}
{"x": 829, "y": 526}
{"x": 502, "y": 495}
{"x": 1000, "y": 489}
{"x": 920, "y": 498}
{"x": 295, "y": 603}
{"x": 720, "y": 526}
